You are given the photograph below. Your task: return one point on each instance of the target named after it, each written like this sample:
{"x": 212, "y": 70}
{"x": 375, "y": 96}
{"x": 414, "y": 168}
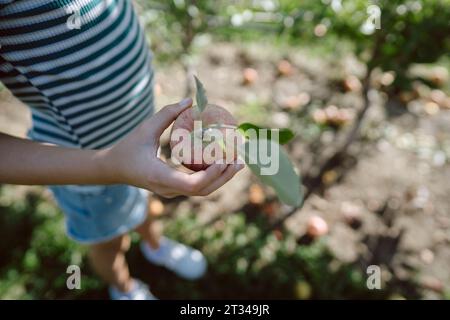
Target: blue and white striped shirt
{"x": 87, "y": 87}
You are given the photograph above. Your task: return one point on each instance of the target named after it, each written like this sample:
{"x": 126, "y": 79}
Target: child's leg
{"x": 150, "y": 232}
{"x": 108, "y": 260}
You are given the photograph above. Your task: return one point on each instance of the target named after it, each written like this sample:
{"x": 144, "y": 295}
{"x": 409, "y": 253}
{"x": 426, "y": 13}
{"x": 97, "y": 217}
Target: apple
{"x": 256, "y": 194}
{"x": 352, "y": 84}
{"x": 319, "y": 116}
{"x": 285, "y": 68}
{"x": 439, "y": 76}
{"x": 214, "y": 117}
{"x": 316, "y": 227}
{"x": 296, "y": 102}
{"x": 407, "y": 96}
{"x": 431, "y": 108}
{"x": 270, "y": 208}
{"x": 333, "y": 116}
{"x": 437, "y": 96}
{"x": 387, "y": 78}
{"x": 249, "y": 76}
{"x": 208, "y": 133}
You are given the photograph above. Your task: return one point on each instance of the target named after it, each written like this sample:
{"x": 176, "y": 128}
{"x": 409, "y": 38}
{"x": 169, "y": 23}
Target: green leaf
{"x": 202, "y": 100}
{"x": 285, "y": 135}
{"x": 284, "y": 180}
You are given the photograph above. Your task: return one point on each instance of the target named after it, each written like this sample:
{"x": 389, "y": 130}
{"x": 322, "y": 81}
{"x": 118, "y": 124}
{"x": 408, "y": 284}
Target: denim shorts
{"x": 97, "y": 214}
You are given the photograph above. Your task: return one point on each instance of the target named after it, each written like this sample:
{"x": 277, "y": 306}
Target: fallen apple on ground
{"x": 249, "y": 76}
{"x": 285, "y": 68}
{"x": 256, "y": 195}
{"x": 316, "y": 227}
{"x": 208, "y": 133}
{"x": 352, "y": 84}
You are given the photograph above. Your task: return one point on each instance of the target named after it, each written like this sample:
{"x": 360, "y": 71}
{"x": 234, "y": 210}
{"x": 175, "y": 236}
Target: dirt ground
{"x": 390, "y": 208}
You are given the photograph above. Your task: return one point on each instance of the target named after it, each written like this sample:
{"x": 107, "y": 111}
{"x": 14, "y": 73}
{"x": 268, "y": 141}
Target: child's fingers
{"x": 224, "y": 178}
{"x": 204, "y": 178}
{"x": 191, "y": 184}
{"x": 162, "y": 119}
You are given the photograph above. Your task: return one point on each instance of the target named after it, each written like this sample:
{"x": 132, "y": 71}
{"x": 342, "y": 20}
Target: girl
{"x": 84, "y": 69}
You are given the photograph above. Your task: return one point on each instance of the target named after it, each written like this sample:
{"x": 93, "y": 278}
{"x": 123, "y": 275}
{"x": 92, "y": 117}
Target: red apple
{"x": 213, "y": 116}
{"x": 285, "y": 68}
{"x": 256, "y": 194}
{"x": 249, "y": 76}
{"x": 316, "y": 227}
{"x": 352, "y": 84}
{"x": 270, "y": 209}
{"x": 296, "y": 102}
{"x": 319, "y": 116}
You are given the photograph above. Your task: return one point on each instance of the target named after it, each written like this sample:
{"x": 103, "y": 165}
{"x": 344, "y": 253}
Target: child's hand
{"x": 135, "y": 161}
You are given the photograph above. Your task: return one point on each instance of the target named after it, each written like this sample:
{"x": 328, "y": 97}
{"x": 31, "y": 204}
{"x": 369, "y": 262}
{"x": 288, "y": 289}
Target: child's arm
{"x": 131, "y": 161}
{"x": 28, "y": 162}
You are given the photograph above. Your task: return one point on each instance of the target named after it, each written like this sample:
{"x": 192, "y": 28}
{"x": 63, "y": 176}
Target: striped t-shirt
{"x": 83, "y": 66}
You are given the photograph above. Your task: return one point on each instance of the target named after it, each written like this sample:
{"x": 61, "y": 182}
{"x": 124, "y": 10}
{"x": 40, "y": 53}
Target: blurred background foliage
{"x": 412, "y": 31}
{"x": 246, "y": 260}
